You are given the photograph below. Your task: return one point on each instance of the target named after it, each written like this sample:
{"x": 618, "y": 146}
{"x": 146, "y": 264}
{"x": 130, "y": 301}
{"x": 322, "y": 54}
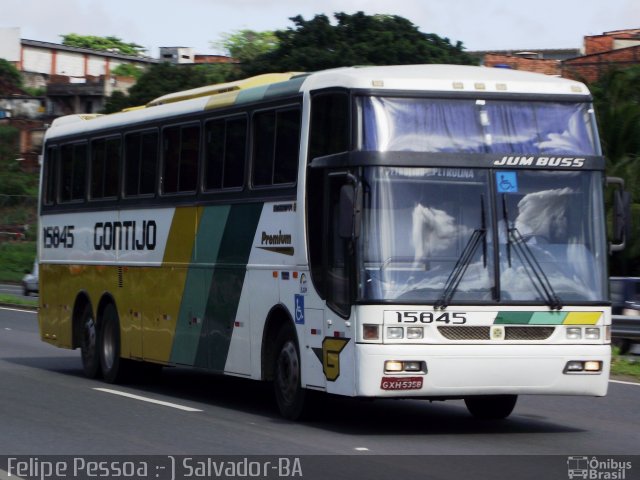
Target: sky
{"x": 478, "y": 24}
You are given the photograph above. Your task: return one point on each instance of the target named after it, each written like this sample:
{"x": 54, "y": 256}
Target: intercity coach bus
{"x": 424, "y": 231}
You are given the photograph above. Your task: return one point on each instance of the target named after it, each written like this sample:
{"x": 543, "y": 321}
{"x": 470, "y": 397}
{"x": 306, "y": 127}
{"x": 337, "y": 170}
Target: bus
{"x": 428, "y": 231}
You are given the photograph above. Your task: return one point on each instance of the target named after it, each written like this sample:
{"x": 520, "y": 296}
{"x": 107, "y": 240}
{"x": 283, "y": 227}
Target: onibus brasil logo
{"x": 593, "y": 468}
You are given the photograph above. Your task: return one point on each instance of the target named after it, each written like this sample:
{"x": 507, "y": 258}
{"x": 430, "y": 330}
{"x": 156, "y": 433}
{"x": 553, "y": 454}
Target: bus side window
{"x": 105, "y": 165}
{"x": 50, "y": 175}
{"x": 225, "y": 152}
{"x": 140, "y": 163}
{"x": 180, "y": 158}
{"x": 329, "y": 132}
{"x": 73, "y": 172}
{"x": 276, "y": 143}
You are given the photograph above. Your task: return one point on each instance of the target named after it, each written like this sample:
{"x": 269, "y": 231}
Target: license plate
{"x": 401, "y": 383}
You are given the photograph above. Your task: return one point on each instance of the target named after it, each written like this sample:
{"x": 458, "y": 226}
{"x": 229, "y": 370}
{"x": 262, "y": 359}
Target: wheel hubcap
{"x": 288, "y": 374}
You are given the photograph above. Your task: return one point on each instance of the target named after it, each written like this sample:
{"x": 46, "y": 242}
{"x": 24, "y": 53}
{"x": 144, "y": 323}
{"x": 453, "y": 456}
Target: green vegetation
{"x": 10, "y": 78}
{"x": 21, "y": 302}
{"x": 357, "y": 39}
{"x": 246, "y": 45}
{"x": 625, "y": 366}
{"x": 109, "y": 44}
{"x": 310, "y": 45}
{"x": 617, "y": 105}
{"x": 16, "y": 258}
{"x": 128, "y": 70}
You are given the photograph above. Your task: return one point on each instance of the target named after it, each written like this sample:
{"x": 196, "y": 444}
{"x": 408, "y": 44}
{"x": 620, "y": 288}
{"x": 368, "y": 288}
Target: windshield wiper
{"x": 516, "y": 240}
{"x": 455, "y": 277}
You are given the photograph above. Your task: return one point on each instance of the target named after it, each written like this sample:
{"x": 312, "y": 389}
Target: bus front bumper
{"x": 455, "y": 371}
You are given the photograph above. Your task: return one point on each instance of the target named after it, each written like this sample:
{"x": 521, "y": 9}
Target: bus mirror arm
{"x": 621, "y": 215}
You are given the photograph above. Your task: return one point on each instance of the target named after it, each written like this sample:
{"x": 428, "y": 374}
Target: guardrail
{"x": 625, "y": 327}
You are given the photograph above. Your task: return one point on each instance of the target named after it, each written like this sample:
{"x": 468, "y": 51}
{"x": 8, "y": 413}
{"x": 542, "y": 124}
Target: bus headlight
{"x": 395, "y": 333}
{"x": 592, "y": 333}
{"x": 414, "y": 333}
{"x": 574, "y": 333}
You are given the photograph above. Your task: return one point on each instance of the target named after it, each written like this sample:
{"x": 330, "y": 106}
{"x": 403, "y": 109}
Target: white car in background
{"x": 30, "y": 281}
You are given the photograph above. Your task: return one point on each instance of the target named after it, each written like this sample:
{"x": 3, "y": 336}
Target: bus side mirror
{"x": 621, "y": 215}
{"x": 350, "y": 212}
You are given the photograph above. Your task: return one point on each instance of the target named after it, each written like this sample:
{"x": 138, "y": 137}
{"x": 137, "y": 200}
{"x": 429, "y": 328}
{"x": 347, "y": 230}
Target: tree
{"x": 246, "y": 45}
{"x": 165, "y": 78}
{"x": 10, "y": 78}
{"x": 356, "y": 39}
{"x": 617, "y": 104}
{"x": 109, "y": 44}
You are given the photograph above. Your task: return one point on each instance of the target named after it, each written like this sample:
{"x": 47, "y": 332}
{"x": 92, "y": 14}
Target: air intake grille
{"x": 521, "y": 333}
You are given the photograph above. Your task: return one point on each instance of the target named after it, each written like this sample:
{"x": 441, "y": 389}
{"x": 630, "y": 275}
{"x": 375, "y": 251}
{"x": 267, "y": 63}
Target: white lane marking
{"x": 18, "y": 310}
{"x": 146, "y": 399}
{"x": 361, "y": 449}
{"x": 625, "y": 383}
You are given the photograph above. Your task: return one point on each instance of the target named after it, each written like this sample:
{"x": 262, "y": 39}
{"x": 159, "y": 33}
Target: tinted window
{"x": 180, "y": 160}
{"x": 73, "y": 172}
{"x": 329, "y": 131}
{"x": 105, "y": 163}
{"x": 225, "y": 153}
{"x": 141, "y": 160}
{"x": 50, "y": 175}
{"x": 275, "y": 147}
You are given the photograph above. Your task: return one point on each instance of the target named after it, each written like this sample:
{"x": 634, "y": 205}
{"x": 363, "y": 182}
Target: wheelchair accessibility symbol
{"x": 507, "y": 182}
{"x": 299, "y": 302}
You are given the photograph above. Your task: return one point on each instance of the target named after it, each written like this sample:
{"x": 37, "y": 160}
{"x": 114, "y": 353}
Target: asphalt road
{"x": 48, "y": 407}
{"x": 16, "y": 290}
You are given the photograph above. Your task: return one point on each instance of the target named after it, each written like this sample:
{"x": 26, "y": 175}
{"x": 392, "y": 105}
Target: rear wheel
{"x": 113, "y": 367}
{"x": 88, "y": 343}
{"x": 491, "y": 407}
{"x": 289, "y": 393}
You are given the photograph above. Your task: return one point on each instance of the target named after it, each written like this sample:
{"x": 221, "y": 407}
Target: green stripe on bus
{"x": 548, "y": 318}
{"x": 513, "y": 318}
{"x": 226, "y": 283}
{"x": 194, "y": 300}
{"x": 530, "y": 318}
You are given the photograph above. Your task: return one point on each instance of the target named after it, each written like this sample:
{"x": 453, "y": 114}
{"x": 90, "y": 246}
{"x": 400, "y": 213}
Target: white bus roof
{"x": 419, "y": 78}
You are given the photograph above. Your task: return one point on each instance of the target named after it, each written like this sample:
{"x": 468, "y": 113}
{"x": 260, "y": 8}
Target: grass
{"x": 21, "y": 302}
{"x": 628, "y": 367}
{"x": 16, "y": 258}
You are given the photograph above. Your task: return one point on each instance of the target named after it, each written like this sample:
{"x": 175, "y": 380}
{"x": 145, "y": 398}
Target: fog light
{"x": 593, "y": 366}
{"x": 395, "y": 333}
{"x": 415, "y": 332}
{"x": 371, "y": 332}
{"x": 412, "y": 366}
{"x": 574, "y": 333}
{"x": 592, "y": 333}
{"x": 574, "y": 366}
{"x": 393, "y": 366}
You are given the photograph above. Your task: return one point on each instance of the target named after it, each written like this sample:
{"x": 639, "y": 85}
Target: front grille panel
{"x": 513, "y": 333}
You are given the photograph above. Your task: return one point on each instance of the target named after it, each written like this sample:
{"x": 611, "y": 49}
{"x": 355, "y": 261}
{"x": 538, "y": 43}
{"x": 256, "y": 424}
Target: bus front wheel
{"x": 491, "y": 407}
{"x": 88, "y": 343}
{"x": 290, "y": 396}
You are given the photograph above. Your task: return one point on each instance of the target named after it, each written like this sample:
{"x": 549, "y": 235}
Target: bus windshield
{"x": 476, "y": 126}
{"x": 436, "y": 234}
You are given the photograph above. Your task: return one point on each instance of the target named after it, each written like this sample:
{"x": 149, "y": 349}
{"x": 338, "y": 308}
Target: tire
{"x": 89, "y": 343}
{"x": 290, "y": 396}
{"x": 491, "y": 407}
{"x": 112, "y": 366}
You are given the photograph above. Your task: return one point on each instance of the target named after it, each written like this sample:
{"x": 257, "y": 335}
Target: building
{"x": 616, "y": 49}
{"x": 547, "y": 61}
{"x": 78, "y": 80}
